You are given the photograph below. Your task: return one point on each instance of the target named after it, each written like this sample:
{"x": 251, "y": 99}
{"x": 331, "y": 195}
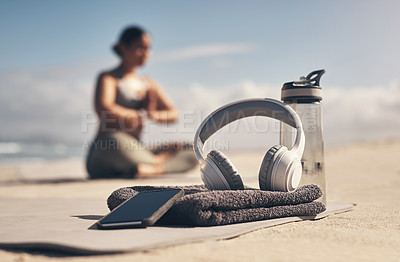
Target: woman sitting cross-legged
{"x": 123, "y": 101}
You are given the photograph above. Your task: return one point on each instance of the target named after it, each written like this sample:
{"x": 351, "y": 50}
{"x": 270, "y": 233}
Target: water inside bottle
{"x": 313, "y": 157}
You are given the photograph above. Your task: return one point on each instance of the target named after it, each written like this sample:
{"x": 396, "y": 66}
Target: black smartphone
{"x": 141, "y": 210}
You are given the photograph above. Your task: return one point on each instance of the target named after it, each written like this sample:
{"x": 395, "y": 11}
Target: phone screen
{"x": 142, "y": 209}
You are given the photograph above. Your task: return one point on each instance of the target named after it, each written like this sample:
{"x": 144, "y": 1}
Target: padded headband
{"x": 246, "y": 108}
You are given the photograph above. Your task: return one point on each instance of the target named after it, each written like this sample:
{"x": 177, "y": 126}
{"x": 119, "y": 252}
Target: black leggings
{"x": 118, "y": 155}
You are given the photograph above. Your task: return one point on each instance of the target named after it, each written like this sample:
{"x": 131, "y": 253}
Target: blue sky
{"x": 356, "y": 41}
{"x": 51, "y": 51}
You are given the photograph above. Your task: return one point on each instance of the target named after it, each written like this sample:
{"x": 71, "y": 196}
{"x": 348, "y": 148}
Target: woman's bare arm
{"x": 113, "y": 116}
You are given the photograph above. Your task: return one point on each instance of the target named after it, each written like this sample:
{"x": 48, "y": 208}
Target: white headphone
{"x": 280, "y": 169}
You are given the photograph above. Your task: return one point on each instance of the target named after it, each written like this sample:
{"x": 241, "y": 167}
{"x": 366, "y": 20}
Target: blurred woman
{"x": 123, "y": 101}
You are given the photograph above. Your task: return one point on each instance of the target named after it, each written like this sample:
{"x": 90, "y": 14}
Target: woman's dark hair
{"x": 129, "y": 35}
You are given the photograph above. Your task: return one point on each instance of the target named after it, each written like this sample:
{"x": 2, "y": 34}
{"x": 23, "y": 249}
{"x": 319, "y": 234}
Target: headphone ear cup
{"x": 227, "y": 169}
{"x": 265, "y": 174}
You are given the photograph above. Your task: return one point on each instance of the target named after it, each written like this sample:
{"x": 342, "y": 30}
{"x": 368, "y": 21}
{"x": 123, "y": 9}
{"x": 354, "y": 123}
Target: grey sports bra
{"x": 131, "y": 92}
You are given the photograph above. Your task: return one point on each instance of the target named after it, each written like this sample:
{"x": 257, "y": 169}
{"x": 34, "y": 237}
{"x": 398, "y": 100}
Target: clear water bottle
{"x": 305, "y": 96}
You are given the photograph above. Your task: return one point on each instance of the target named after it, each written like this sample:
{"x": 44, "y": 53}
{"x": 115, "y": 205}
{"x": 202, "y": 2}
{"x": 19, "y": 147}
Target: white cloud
{"x": 205, "y": 50}
{"x": 362, "y": 113}
{"x": 196, "y": 102}
{"x": 44, "y": 105}
{"x": 221, "y": 63}
{"x": 48, "y": 105}
{"x": 349, "y": 114}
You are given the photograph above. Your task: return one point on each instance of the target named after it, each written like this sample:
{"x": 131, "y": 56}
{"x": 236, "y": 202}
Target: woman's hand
{"x": 153, "y": 99}
{"x": 159, "y": 107}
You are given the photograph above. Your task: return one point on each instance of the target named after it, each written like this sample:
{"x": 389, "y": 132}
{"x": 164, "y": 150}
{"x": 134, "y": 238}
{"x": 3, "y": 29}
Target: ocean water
{"x": 15, "y": 152}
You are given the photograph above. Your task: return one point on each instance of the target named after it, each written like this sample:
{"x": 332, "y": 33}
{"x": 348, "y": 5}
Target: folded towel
{"x": 203, "y": 207}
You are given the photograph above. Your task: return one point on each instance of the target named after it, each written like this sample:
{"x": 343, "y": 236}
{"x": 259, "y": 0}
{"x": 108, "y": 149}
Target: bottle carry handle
{"x": 312, "y": 78}
{"x": 318, "y": 74}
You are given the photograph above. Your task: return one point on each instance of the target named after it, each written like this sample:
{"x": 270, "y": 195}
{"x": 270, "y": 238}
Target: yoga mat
{"x": 68, "y": 225}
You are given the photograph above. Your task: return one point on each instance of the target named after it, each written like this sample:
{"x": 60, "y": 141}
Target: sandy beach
{"x": 364, "y": 173}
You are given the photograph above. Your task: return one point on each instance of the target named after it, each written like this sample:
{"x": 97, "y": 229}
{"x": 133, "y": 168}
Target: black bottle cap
{"x": 306, "y": 90}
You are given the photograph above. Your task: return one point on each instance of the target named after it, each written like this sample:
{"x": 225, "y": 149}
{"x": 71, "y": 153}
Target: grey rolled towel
{"x": 203, "y": 207}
